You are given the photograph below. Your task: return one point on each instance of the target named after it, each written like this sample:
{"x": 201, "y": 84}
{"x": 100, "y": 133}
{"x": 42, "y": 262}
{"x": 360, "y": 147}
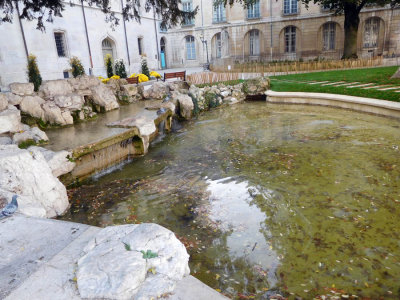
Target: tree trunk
{"x": 351, "y": 22}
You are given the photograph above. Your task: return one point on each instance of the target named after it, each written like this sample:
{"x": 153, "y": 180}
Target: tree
{"x": 109, "y": 65}
{"x": 45, "y": 10}
{"x": 76, "y": 67}
{"x": 120, "y": 68}
{"x": 33, "y": 72}
{"x": 145, "y": 69}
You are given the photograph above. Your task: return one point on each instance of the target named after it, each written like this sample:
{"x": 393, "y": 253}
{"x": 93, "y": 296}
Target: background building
{"x": 66, "y": 37}
{"x": 276, "y": 30}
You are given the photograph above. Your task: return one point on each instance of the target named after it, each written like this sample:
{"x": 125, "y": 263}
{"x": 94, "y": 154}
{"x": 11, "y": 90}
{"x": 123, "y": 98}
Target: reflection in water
{"x": 297, "y": 200}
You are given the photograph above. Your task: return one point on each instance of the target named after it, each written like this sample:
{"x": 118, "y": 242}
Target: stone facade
{"x": 70, "y": 32}
{"x": 236, "y": 35}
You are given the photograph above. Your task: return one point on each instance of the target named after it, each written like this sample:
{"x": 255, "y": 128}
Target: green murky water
{"x": 268, "y": 199}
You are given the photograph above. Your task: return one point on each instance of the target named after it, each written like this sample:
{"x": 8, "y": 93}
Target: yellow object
{"x": 133, "y": 75}
{"x": 155, "y": 74}
{"x": 115, "y": 77}
{"x": 101, "y": 78}
{"x": 105, "y": 80}
{"x": 143, "y": 78}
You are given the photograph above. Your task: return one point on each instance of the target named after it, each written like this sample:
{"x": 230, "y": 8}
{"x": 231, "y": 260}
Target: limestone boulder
{"x": 104, "y": 97}
{"x": 10, "y": 120}
{"x": 57, "y": 161}
{"x": 113, "y": 266}
{"x": 51, "y": 88}
{"x": 185, "y": 105}
{"x": 178, "y": 85}
{"x": 157, "y": 91}
{"x": 3, "y": 102}
{"x": 5, "y": 140}
{"x": 22, "y": 89}
{"x": 84, "y": 82}
{"x": 54, "y": 115}
{"x": 132, "y": 91}
{"x": 28, "y": 175}
{"x": 257, "y": 86}
{"x": 72, "y": 102}
{"x": 66, "y": 114}
{"x": 32, "y": 105}
{"x": 13, "y": 99}
{"x": 33, "y": 133}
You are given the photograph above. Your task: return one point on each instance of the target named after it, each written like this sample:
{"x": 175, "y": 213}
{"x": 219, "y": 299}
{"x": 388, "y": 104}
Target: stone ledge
{"x": 369, "y": 105}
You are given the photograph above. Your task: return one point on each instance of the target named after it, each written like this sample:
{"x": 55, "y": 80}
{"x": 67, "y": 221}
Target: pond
{"x": 268, "y": 199}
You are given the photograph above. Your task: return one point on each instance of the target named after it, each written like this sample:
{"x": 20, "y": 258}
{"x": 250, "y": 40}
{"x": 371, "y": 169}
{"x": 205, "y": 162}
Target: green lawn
{"x": 372, "y": 75}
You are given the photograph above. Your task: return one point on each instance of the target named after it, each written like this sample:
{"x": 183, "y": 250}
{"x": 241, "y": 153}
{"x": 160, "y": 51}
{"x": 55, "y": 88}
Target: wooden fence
{"x": 210, "y": 77}
{"x": 282, "y": 67}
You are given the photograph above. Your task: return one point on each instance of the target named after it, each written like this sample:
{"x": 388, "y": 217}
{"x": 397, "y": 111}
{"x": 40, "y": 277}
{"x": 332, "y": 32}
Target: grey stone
{"x": 13, "y": 99}
{"x": 157, "y": 91}
{"x": 104, "y": 97}
{"x": 31, "y": 105}
{"x": 10, "y": 120}
{"x": 3, "y": 102}
{"x": 52, "y": 88}
{"x": 33, "y": 133}
{"x": 22, "y": 89}
{"x": 5, "y": 140}
{"x": 57, "y": 161}
{"x": 71, "y": 101}
{"x": 52, "y": 113}
{"x": 27, "y": 174}
{"x": 84, "y": 82}
{"x": 186, "y": 105}
{"x": 109, "y": 270}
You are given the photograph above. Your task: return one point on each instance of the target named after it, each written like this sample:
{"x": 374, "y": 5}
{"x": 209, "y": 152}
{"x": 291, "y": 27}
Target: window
{"x": 371, "y": 33}
{"x": 188, "y": 6}
{"x": 190, "y": 48}
{"x": 107, "y": 48}
{"x": 218, "y": 45}
{"x": 253, "y": 10}
{"x": 329, "y": 36}
{"x": 60, "y": 43}
{"x": 290, "y": 7}
{"x": 140, "y": 45}
{"x": 66, "y": 74}
{"x": 219, "y": 13}
{"x": 290, "y": 39}
{"x": 162, "y": 28}
{"x": 254, "y": 42}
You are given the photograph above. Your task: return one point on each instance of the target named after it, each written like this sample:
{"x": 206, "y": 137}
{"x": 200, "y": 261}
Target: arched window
{"x": 107, "y": 47}
{"x": 254, "y": 42}
{"x": 290, "y": 39}
{"x": 371, "y": 33}
{"x": 329, "y": 36}
{"x": 190, "y": 48}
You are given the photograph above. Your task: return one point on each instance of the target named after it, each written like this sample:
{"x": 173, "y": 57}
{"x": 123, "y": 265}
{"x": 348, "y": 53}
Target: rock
{"x": 186, "y": 105}
{"x": 256, "y": 86}
{"x": 230, "y": 100}
{"x": 225, "y": 93}
{"x": 156, "y": 105}
{"x": 10, "y": 120}
{"x": 13, "y": 99}
{"x": 178, "y": 85}
{"x": 28, "y": 175}
{"x": 114, "y": 268}
{"x": 51, "y": 88}
{"x": 31, "y": 105}
{"x": 57, "y": 161}
{"x": 22, "y": 89}
{"x": 84, "y": 82}
{"x": 133, "y": 91}
{"x": 69, "y": 120}
{"x": 3, "y": 102}
{"x": 157, "y": 91}
{"x": 5, "y": 140}
{"x": 33, "y": 133}
{"x": 52, "y": 114}
{"x": 104, "y": 97}
{"x": 72, "y": 101}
